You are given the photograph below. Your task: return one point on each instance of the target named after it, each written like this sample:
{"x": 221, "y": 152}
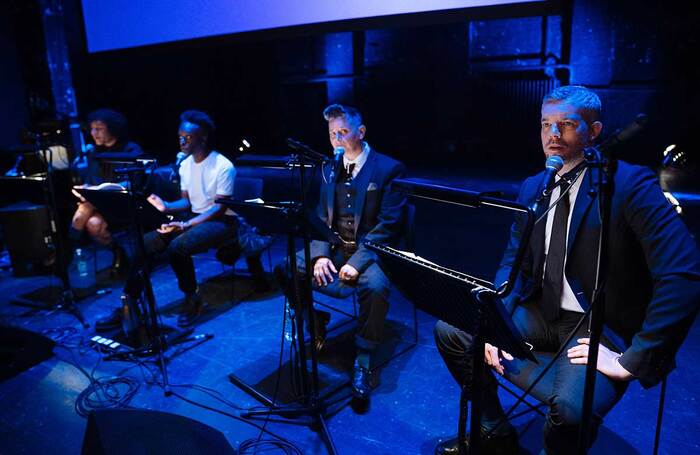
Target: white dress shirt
{"x": 359, "y": 160}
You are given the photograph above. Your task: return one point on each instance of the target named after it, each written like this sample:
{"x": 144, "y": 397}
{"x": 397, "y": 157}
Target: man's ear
{"x": 596, "y": 128}
{"x": 362, "y": 130}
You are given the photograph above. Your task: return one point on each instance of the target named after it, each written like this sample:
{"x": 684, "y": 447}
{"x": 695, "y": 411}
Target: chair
{"x": 407, "y": 244}
{"x": 245, "y": 188}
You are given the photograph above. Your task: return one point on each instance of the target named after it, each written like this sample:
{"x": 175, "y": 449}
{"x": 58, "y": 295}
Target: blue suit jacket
{"x": 380, "y": 211}
{"x": 652, "y": 286}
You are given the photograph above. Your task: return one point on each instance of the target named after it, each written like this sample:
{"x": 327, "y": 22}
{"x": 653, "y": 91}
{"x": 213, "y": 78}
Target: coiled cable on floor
{"x": 106, "y": 393}
{"x": 101, "y": 393}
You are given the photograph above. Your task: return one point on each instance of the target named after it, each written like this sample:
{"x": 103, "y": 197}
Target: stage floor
{"x": 415, "y": 405}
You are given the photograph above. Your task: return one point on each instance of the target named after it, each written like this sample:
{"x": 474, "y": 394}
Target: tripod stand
{"x": 132, "y": 204}
{"x": 66, "y": 301}
{"x": 296, "y": 220}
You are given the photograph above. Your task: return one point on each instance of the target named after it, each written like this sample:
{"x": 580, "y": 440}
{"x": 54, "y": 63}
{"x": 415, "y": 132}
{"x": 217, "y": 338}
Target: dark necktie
{"x": 554, "y": 269}
{"x": 348, "y": 173}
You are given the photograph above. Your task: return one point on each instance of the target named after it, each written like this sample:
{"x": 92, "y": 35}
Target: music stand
{"x": 67, "y": 299}
{"x": 292, "y": 219}
{"x": 484, "y": 311}
{"x": 464, "y": 302}
{"x": 133, "y": 208}
{"x": 117, "y": 207}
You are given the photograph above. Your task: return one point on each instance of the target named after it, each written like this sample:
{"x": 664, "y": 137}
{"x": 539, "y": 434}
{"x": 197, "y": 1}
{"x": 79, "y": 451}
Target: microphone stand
{"x": 604, "y": 161}
{"x": 605, "y": 165}
{"x": 314, "y": 405}
{"x": 67, "y": 299}
{"x": 158, "y": 340}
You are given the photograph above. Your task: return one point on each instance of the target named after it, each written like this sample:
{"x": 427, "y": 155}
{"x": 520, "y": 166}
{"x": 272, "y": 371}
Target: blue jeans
{"x": 180, "y": 247}
{"x": 561, "y": 387}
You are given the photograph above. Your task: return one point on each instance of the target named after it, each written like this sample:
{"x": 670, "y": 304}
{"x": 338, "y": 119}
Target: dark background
{"x": 445, "y": 90}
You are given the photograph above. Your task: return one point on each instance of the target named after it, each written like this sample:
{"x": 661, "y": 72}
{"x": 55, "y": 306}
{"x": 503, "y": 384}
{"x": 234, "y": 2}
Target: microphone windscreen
{"x": 180, "y": 157}
{"x": 554, "y": 162}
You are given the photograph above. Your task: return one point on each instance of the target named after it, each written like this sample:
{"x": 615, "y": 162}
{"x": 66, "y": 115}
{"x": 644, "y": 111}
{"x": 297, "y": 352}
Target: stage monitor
{"x": 119, "y": 24}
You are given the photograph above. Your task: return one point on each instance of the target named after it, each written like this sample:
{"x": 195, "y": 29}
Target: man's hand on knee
{"x": 348, "y": 273}
{"x": 493, "y": 357}
{"x": 323, "y": 271}
{"x": 608, "y": 361}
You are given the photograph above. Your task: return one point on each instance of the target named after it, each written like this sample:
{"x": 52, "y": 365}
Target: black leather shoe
{"x": 257, "y": 271}
{"x": 362, "y": 382}
{"x": 506, "y": 444}
{"x": 191, "y": 310}
{"x": 110, "y": 322}
{"x": 321, "y": 320}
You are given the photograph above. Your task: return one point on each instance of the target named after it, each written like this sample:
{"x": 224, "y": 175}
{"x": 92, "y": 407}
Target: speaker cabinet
{"x": 142, "y": 432}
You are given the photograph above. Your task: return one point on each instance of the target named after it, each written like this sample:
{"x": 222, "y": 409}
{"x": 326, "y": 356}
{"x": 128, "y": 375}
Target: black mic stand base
{"x": 66, "y": 302}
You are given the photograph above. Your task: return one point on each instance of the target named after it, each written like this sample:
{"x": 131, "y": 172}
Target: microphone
{"x": 180, "y": 158}
{"x": 306, "y": 151}
{"x": 338, "y": 153}
{"x": 88, "y": 149}
{"x": 552, "y": 165}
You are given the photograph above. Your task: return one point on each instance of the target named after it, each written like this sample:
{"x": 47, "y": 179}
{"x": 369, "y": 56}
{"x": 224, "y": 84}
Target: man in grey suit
{"x": 358, "y": 203}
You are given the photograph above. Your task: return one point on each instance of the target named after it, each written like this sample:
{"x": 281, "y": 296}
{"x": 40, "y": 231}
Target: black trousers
{"x": 561, "y": 388}
{"x": 372, "y": 288}
{"x": 180, "y": 247}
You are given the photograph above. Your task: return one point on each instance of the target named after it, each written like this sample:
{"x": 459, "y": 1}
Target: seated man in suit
{"x": 652, "y": 287}
{"x": 108, "y": 129}
{"x": 359, "y": 204}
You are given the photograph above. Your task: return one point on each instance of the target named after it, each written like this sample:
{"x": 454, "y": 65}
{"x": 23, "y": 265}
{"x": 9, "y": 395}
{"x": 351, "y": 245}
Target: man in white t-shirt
{"x": 204, "y": 176}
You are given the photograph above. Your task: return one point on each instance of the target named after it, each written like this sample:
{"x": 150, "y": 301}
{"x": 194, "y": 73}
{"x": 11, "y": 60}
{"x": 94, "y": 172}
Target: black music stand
{"x": 465, "y": 302}
{"x": 132, "y": 207}
{"x": 485, "y": 316}
{"x": 292, "y": 219}
{"x": 117, "y": 207}
{"x": 66, "y": 301}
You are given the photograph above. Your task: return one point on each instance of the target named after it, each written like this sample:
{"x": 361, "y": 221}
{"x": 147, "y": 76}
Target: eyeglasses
{"x": 185, "y": 139}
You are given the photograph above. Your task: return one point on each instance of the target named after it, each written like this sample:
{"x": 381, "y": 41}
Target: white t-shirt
{"x": 214, "y": 176}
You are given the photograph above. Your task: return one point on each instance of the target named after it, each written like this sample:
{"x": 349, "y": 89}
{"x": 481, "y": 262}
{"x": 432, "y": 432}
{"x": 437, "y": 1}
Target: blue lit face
{"x": 101, "y": 135}
{"x": 564, "y": 131}
{"x": 346, "y": 135}
{"x": 191, "y": 137}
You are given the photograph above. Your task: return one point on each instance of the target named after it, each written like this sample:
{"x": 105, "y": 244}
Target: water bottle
{"x": 84, "y": 272}
{"x": 288, "y": 327}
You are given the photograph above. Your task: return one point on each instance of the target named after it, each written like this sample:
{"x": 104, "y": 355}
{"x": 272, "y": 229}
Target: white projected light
{"x": 118, "y": 24}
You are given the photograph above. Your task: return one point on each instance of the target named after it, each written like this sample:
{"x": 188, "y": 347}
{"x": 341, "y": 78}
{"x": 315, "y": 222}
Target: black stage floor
{"x": 415, "y": 405}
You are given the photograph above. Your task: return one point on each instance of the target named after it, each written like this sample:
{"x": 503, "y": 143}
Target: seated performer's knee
{"x": 564, "y": 412}
{"x": 449, "y": 339}
{"x": 562, "y": 425}
{"x": 81, "y": 216}
{"x": 94, "y": 225}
